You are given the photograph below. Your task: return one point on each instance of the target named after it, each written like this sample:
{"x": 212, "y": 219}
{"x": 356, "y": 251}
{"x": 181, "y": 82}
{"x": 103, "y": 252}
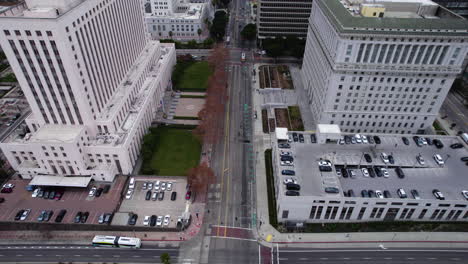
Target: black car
{"x": 292, "y": 193}
{"x": 60, "y": 216}
{"x": 331, "y": 190}
{"x": 286, "y": 158}
{"x": 18, "y": 215}
{"x": 430, "y": 142}
{"x": 84, "y": 217}
{"x": 52, "y": 195}
{"x": 405, "y": 140}
{"x": 107, "y": 218}
{"x": 415, "y": 194}
{"x": 378, "y": 172}
{"x": 438, "y": 143}
{"x": 46, "y": 195}
{"x": 368, "y": 158}
{"x": 351, "y": 193}
{"x": 293, "y": 187}
{"x": 153, "y": 220}
{"x": 133, "y": 219}
{"x": 98, "y": 192}
{"x": 370, "y": 139}
{"x": 173, "y": 196}
{"x": 344, "y": 173}
{"x": 416, "y": 140}
{"x": 364, "y": 193}
{"x": 161, "y": 196}
{"x": 377, "y": 140}
{"x": 148, "y": 195}
{"x": 313, "y": 138}
{"x": 2, "y": 199}
{"x": 295, "y": 137}
{"x": 106, "y": 188}
{"x": 400, "y": 172}
{"x": 78, "y": 217}
{"x": 371, "y": 172}
{"x": 387, "y": 194}
{"x": 456, "y": 146}
{"x": 48, "y": 215}
{"x": 371, "y": 194}
{"x": 288, "y": 172}
{"x": 391, "y": 159}
{"x": 284, "y": 145}
{"x": 464, "y": 159}
{"x": 347, "y": 139}
{"x": 301, "y": 138}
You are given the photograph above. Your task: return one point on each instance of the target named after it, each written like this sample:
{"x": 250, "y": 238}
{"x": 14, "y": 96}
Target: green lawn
{"x": 195, "y": 77}
{"x": 170, "y": 152}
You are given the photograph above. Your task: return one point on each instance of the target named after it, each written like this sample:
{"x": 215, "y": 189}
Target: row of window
{"x": 27, "y": 33}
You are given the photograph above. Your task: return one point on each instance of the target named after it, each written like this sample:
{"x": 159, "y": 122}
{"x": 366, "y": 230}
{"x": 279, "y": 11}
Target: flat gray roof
{"x": 346, "y": 23}
{"x": 450, "y": 179}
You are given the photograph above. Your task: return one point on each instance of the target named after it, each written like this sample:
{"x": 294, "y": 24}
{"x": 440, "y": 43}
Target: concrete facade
{"x": 94, "y": 82}
{"x": 381, "y": 75}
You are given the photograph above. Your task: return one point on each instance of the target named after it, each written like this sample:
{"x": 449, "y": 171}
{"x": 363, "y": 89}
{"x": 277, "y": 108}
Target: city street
{"x": 456, "y": 112}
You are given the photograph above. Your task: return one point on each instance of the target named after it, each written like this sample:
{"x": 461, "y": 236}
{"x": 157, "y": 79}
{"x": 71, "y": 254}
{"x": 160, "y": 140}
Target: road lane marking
{"x": 116, "y": 256}
{"x": 77, "y": 255}
{"x": 410, "y": 258}
{"x": 432, "y": 258}
{"x": 136, "y": 256}
{"x": 38, "y": 255}
{"x": 387, "y": 258}
{"x": 303, "y": 258}
{"x": 455, "y": 259}
{"x": 96, "y": 255}
{"x": 323, "y": 258}
{"x": 58, "y": 255}
{"x": 19, "y": 255}
{"x": 366, "y": 258}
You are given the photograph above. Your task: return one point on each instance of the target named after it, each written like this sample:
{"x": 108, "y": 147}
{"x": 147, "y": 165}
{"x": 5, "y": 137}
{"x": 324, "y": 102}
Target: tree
{"x": 199, "y": 177}
{"x": 249, "y": 32}
{"x": 165, "y": 258}
{"x": 199, "y": 31}
{"x": 218, "y": 28}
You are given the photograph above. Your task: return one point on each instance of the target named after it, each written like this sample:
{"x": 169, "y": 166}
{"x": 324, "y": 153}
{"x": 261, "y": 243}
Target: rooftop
{"x": 341, "y": 14}
{"x": 186, "y": 11}
{"x": 450, "y": 179}
{"x": 56, "y": 134}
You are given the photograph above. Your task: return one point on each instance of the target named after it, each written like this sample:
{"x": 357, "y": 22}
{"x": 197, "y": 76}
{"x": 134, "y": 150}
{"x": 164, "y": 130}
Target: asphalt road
{"x": 362, "y": 256}
{"x": 456, "y": 112}
{"x": 85, "y": 253}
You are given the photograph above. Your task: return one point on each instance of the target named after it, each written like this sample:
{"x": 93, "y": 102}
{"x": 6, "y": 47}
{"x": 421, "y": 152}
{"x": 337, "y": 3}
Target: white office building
{"x": 179, "y": 20}
{"x": 94, "y": 82}
{"x": 382, "y": 66}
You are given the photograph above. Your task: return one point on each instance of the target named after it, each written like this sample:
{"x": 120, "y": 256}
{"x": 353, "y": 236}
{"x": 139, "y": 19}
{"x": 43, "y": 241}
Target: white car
{"x": 358, "y": 138}
{"x": 129, "y": 194}
{"x": 385, "y": 172}
{"x": 166, "y": 220}
{"x": 365, "y": 172}
{"x": 338, "y": 172}
{"x": 379, "y": 194}
{"x": 420, "y": 160}
{"x": 352, "y": 174}
{"x": 159, "y": 221}
{"x": 423, "y": 141}
{"x": 438, "y": 159}
{"x": 289, "y": 180}
{"x": 25, "y": 214}
{"x": 364, "y": 140}
{"x": 145, "y": 185}
{"x": 36, "y": 192}
{"x": 324, "y": 163}
{"x": 163, "y": 186}
{"x": 285, "y": 153}
{"x": 384, "y": 157}
{"x": 9, "y": 185}
{"x": 147, "y": 220}
{"x": 465, "y": 194}
{"x": 341, "y": 142}
{"x": 169, "y": 186}
{"x": 92, "y": 192}
{"x": 286, "y": 163}
{"x": 150, "y": 186}
{"x": 156, "y": 185}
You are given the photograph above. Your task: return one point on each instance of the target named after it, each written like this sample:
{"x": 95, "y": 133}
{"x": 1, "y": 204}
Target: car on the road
{"x": 84, "y": 217}
{"x": 92, "y": 192}
{"x": 19, "y": 214}
{"x": 367, "y": 157}
{"x": 301, "y": 138}
{"x": 153, "y": 220}
{"x": 60, "y": 216}
{"x": 438, "y": 143}
{"x": 284, "y": 145}
{"x": 173, "y": 196}
{"x": 129, "y": 194}
{"x": 148, "y": 195}
{"x": 155, "y": 196}
{"x": 99, "y": 192}
{"x": 188, "y": 195}
{"x": 405, "y": 140}
{"x": 41, "y": 216}
{"x": 25, "y": 214}
{"x": 365, "y": 172}
{"x": 438, "y": 159}
{"x": 292, "y": 193}
{"x": 78, "y": 217}
{"x": 159, "y": 221}
{"x": 465, "y": 194}
{"x": 288, "y": 172}
{"x": 132, "y": 219}
{"x": 438, "y": 194}
{"x": 420, "y": 159}
{"x": 415, "y": 194}
{"x": 167, "y": 220}
{"x": 146, "y": 221}
{"x": 456, "y": 146}
{"x": 169, "y": 186}
{"x": 379, "y": 194}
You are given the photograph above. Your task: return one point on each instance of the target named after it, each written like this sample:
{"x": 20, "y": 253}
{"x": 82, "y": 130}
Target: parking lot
{"x": 137, "y": 204}
{"x": 450, "y": 178}
{"x": 74, "y": 200}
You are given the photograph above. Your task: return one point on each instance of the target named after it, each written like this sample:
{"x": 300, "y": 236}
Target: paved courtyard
{"x": 189, "y": 107}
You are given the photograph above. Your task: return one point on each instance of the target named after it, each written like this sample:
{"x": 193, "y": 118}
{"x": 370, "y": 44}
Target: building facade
{"x": 94, "y": 82}
{"x": 180, "y": 20}
{"x": 283, "y": 18}
{"x": 458, "y": 6}
{"x": 385, "y": 68}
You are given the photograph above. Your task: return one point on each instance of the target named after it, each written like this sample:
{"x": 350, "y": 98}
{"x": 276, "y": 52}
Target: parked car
{"x": 284, "y": 145}
{"x": 325, "y": 165}
{"x": 313, "y": 138}
{"x": 108, "y": 218}
{"x": 368, "y": 157}
{"x": 285, "y": 153}
{"x": 415, "y": 194}
{"x": 106, "y": 188}
{"x": 286, "y": 158}
{"x": 371, "y": 172}
{"x": 150, "y": 186}
{"x": 101, "y": 219}
{"x": 144, "y": 186}
{"x": 84, "y": 217}
{"x": 438, "y": 159}
{"x": 405, "y": 140}
{"x": 378, "y": 171}
{"x": 41, "y": 216}
{"x": 146, "y": 221}
{"x": 78, "y": 217}
{"x": 417, "y": 141}
{"x": 292, "y": 193}
{"x": 92, "y": 192}
{"x": 464, "y": 159}
{"x": 344, "y": 172}
{"x": 173, "y": 196}
{"x": 169, "y": 186}
{"x": 48, "y": 215}
{"x": 365, "y": 172}
{"x": 289, "y": 180}
{"x": 46, "y": 194}
{"x": 465, "y": 194}
{"x": 391, "y": 159}
{"x": 364, "y": 140}
{"x": 35, "y": 192}
{"x": 40, "y": 194}
{"x": 286, "y": 163}
{"x": 353, "y": 140}
{"x": 401, "y": 193}
{"x": 379, "y": 194}
{"x": 332, "y": 190}
{"x": 456, "y": 146}
{"x": 365, "y": 194}
{"x": 2, "y": 199}
{"x": 338, "y": 172}
{"x": 347, "y": 139}
{"x": 153, "y": 220}
{"x": 155, "y": 196}
{"x": 25, "y": 214}
{"x": 371, "y": 139}
{"x": 371, "y": 194}
{"x": 438, "y": 194}
{"x": 159, "y": 221}
{"x": 58, "y": 195}
{"x": 293, "y": 187}
{"x": 385, "y": 172}
{"x": 19, "y": 214}
{"x": 358, "y": 138}
{"x": 133, "y": 219}
{"x": 60, "y": 216}
{"x": 399, "y": 172}
{"x": 99, "y": 192}
{"x": 384, "y": 157}
{"x": 167, "y": 220}
{"x": 188, "y": 195}
{"x": 129, "y": 194}
{"x": 52, "y": 195}
{"x": 163, "y": 186}
{"x": 288, "y": 172}
{"x": 301, "y": 138}
{"x": 295, "y": 137}
{"x": 387, "y": 194}
{"x": 157, "y": 184}
{"x": 148, "y": 195}
{"x": 377, "y": 140}
{"x": 429, "y": 141}
{"x": 423, "y": 141}
{"x": 351, "y": 173}
{"x": 420, "y": 159}
{"x": 161, "y": 195}
{"x": 438, "y": 143}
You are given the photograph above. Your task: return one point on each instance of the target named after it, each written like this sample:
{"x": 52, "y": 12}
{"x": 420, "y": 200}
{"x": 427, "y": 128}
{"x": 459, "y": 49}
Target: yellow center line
{"x": 226, "y": 141}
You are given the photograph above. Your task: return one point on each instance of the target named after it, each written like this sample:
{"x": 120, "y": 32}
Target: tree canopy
{"x": 218, "y": 27}
{"x": 249, "y": 32}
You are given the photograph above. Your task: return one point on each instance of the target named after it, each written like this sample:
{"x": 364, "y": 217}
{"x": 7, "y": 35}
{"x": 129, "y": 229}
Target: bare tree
{"x": 199, "y": 177}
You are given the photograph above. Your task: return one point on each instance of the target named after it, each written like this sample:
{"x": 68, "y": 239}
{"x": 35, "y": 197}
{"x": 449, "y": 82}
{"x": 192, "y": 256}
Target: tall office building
{"x": 283, "y": 18}
{"x": 94, "y": 82}
{"x": 382, "y": 66}
{"x": 458, "y": 6}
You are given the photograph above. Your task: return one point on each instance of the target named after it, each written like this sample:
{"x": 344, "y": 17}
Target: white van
{"x": 131, "y": 185}
{"x": 464, "y": 136}
{"x": 402, "y": 193}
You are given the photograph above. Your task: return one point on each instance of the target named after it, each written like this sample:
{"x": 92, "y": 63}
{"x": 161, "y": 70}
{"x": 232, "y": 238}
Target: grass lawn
{"x": 296, "y": 119}
{"x": 270, "y": 189}
{"x": 175, "y": 151}
{"x": 195, "y": 77}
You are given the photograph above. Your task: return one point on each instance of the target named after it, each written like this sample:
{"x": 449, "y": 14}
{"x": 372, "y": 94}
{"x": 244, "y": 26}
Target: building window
{"x": 285, "y": 213}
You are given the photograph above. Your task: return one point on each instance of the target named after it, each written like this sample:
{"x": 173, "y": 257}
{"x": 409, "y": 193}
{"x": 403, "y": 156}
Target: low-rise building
{"x": 324, "y": 191}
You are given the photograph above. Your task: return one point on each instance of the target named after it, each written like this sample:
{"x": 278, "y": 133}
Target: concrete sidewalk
{"x": 268, "y": 235}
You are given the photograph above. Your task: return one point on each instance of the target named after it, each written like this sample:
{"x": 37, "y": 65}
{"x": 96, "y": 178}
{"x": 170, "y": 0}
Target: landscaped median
{"x": 271, "y": 189}
{"x": 170, "y": 151}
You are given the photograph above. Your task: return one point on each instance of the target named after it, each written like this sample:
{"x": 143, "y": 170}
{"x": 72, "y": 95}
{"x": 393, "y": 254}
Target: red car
{"x": 58, "y": 195}
{"x": 188, "y": 195}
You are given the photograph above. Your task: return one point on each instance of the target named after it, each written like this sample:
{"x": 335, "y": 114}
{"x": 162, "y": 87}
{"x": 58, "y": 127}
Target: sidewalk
{"x": 268, "y": 236}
